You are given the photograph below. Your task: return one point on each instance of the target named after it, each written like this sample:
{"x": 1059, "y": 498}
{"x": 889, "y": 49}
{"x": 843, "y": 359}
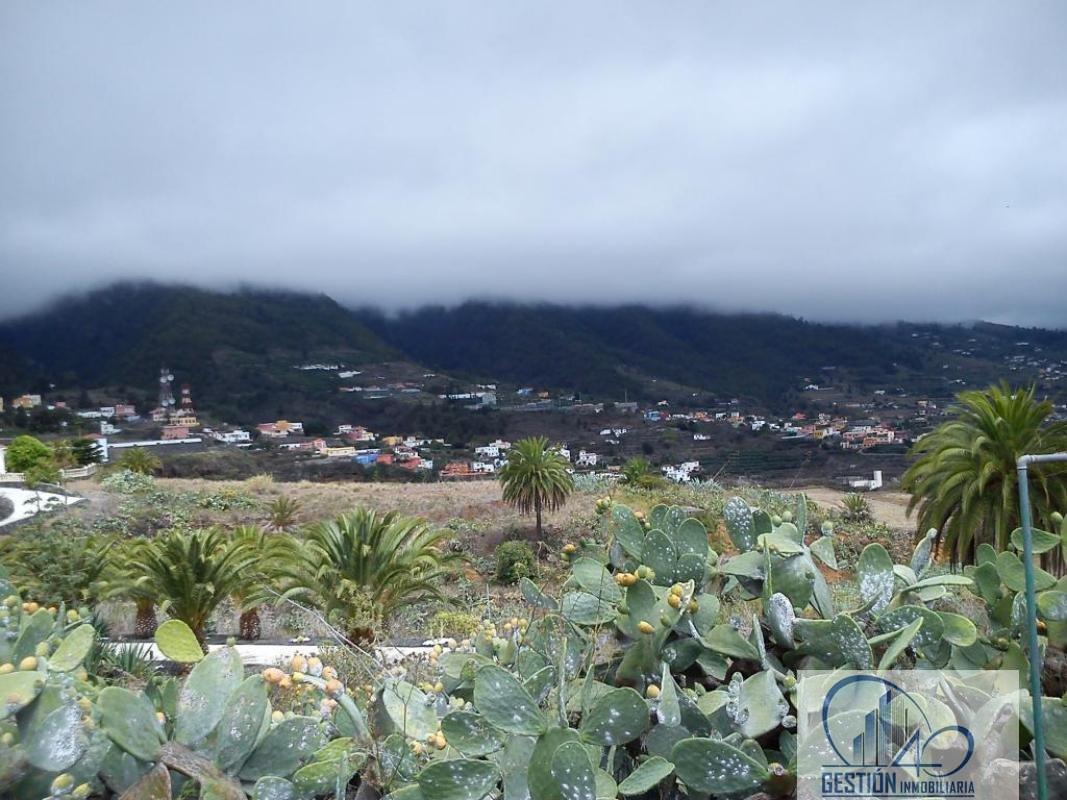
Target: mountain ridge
{"x": 234, "y": 345}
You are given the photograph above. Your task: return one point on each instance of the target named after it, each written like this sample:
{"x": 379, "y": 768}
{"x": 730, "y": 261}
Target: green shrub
{"x": 459, "y": 624}
{"x": 127, "y": 481}
{"x": 514, "y": 560}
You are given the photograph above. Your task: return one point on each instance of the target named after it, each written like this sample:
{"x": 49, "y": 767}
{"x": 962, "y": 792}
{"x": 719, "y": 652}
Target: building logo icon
{"x": 903, "y": 734}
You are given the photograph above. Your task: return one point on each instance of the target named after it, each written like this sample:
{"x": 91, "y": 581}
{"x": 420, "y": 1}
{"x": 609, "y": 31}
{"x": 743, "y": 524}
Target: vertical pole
{"x": 1031, "y": 622}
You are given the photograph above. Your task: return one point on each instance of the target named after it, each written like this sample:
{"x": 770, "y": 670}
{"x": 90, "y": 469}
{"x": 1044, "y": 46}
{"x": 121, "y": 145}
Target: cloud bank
{"x": 832, "y": 160}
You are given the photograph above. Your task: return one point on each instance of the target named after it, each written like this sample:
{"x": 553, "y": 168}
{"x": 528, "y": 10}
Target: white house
{"x": 236, "y": 436}
{"x": 586, "y": 459}
{"x": 487, "y": 451}
{"x": 869, "y": 485}
{"x": 681, "y": 473}
{"x": 483, "y": 467}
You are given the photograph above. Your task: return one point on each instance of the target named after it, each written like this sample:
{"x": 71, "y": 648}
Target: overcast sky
{"x": 857, "y": 161}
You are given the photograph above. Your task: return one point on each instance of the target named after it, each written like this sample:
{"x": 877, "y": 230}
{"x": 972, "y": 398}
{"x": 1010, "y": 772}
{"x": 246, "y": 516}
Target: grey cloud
{"x": 832, "y": 160}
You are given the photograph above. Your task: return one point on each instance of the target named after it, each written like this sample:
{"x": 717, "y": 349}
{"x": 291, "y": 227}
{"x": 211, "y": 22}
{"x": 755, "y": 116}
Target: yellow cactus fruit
{"x": 81, "y": 791}
{"x": 62, "y": 783}
{"x": 273, "y": 675}
{"x": 328, "y": 673}
{"x": 277, "y": 716}
{"x": 298, "y": 677}
{"x": 652, "y": 692}
{"x": 314, "y": 666}
{"x": 334, "y": 687}
{"x": 569, "y": 548}
{"x": 6, "y": 668}
{"x": 439, "y": 687}
{"x": 41, "y": 649}
{"x": 85, "y": 705}
{"x": 285, "y": 683}
{"x": 160, "y": 717}
{"x": 693, "y": 607}
{"x": 28, "y": 663}
{"x": 416, "y": 748}
{"x": 645, "y": 626}
{"x": 674, "y": 601}
{"x": 439, "y": 741}
{"x": 7, "y": 739}
{"x": 452, "y": 644}
{"x": 31, "y": 608}
{"x": 677, "y": 589}
{"x": 298, "y": 664}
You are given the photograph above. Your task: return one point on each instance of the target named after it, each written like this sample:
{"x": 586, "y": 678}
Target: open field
{"x": 889, "y": 508}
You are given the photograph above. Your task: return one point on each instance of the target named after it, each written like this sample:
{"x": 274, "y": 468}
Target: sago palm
{"x": 194, "y": 571}
{"x": 535, "y": 478}
{"x": 272, "y": 552}
{"x": 125, "y": 579}
{"x": 359, "y": 568}
{"x": 964, "y": 481}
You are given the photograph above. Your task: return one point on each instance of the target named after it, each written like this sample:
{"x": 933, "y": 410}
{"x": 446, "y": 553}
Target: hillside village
{"x": 679, "y": 440}
{"x": 840, "y": 430}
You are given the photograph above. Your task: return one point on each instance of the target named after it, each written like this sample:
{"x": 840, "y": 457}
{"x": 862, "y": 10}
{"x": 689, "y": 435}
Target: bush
{"x": 459, "y": 624}
{"x": 127, "y": 481}
{"x": 857, "y": 509}
{"x": 25, "y": 452}
{"x": 514, "y": 560}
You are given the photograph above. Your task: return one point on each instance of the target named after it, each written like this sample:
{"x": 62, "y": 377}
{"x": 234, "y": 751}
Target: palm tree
{"x": 125, "y": 578}
{"x": 964, "y": 481}
{"x": 359, "y": 568}
{"x": 137, "y": 459}
{"x": 638, "y": 472}
{"x": 272, "y": 551}
{"x": 283, "y": 511}
{"x": 189, "y": 573}
{"x": 535, "y": 478}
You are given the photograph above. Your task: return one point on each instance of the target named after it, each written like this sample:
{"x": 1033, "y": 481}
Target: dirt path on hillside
{"x": 887, "y": 507}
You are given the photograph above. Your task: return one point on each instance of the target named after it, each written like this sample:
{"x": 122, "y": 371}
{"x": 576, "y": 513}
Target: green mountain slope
{"x": 225, "y": 344}
{"x": 238, "y": 349}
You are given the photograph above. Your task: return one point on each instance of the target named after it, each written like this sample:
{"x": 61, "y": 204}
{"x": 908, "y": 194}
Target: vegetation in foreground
{"x": 662, "y": 665}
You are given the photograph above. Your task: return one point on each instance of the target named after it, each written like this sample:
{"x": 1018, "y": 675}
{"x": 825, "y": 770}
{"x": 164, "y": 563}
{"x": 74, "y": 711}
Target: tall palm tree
{"x": 964, "y": 481}
{"x": 535, "y": 478}
{"x": 190, "y": 573}
{"x": 359, "y": 568}
{"x": 124, "y": 578}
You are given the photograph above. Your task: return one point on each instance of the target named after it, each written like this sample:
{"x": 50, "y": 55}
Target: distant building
{"x": 26, "y": 401}
{"x": 586, "y": 459}
{"x": 281, "y": 429}
{"x": 171, "y": 432}
{"x": 236, "y": 436}
{"x": 455, "y": 470}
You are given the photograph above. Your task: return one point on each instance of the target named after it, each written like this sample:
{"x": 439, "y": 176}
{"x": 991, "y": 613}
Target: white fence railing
{"x": 68, "y": 474}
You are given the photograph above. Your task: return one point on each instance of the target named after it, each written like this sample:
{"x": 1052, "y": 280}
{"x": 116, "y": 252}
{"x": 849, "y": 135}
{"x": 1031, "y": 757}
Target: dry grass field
{"x": 889, "y": 508}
